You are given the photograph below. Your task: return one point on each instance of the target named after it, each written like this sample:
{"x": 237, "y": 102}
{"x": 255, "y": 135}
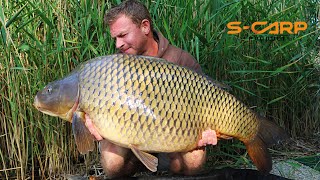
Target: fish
{"x": 150, "y": 105}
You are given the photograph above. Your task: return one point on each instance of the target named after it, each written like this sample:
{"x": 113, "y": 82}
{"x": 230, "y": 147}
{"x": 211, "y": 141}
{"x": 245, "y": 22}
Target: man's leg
{"x": 118, "y": 161}
{"x": 190, "y": 163}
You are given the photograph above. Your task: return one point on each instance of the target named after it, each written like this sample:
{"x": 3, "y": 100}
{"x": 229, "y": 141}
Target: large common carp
{"x": 150, "y": 105}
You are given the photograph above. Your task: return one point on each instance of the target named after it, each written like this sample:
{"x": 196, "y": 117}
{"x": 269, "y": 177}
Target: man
{"x": 131, "y": 26}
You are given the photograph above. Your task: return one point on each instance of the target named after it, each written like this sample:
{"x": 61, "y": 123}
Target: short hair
{"x": 134, "y": 9}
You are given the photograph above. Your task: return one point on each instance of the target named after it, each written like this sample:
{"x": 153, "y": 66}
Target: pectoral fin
{"x": 150, "y": 161}
{"x": 82, "y": 136}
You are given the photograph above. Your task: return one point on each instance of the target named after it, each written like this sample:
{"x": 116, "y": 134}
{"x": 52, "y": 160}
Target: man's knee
{"x": 194, "y": 161}
{"x": 115, "y": 159}
{"x": 189, "y": 163}
{"x": 176, "y": 163}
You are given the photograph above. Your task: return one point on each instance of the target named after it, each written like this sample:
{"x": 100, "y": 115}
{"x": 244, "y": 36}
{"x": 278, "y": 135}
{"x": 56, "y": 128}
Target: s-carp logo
{"x": 274, "y": 28}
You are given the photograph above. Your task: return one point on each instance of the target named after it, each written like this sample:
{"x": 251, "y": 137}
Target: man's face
{"x": 129, "y": 37}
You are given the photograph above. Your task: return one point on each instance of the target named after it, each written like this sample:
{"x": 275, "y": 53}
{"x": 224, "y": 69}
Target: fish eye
{"x": 48, "y": 90}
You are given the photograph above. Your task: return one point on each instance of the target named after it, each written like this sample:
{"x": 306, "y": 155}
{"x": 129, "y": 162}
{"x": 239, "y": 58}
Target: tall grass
{"x": 43, "y": 40}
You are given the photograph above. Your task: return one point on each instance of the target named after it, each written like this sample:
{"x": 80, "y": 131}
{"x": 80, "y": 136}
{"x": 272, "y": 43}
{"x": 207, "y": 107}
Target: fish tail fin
{"x": 268, "y": 134}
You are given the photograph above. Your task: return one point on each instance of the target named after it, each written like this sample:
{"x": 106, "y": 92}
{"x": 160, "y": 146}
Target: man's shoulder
{"x": 175, "y": 54}
{"x": 181, "y": 57}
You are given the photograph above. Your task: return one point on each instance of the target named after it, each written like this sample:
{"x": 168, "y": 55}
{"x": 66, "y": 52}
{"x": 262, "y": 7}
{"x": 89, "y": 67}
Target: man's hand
{"x": 209, "y": 137}
{"x": 92, "y": 129}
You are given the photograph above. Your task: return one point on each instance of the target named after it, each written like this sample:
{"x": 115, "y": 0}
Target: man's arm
{"x": 92, "y": 129}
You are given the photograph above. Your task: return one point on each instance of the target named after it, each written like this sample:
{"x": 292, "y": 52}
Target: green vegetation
{"x": 41, "y": 41}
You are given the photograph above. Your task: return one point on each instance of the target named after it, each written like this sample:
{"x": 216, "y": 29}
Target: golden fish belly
{"x": 158, "y": 106}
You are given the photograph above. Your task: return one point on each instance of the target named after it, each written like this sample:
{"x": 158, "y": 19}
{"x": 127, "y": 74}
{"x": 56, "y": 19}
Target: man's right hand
{"x": 92, "y": 129}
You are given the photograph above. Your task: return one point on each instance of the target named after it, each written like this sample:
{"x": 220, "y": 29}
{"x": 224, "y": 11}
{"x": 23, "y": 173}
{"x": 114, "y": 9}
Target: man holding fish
{"x": 145, "y": 104}
{"x": 131, "y": 26}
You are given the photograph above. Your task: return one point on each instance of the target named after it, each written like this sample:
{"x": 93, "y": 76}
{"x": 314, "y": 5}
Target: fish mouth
{"x": 46, "y": 111}
{"x": 38, "y": 106}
